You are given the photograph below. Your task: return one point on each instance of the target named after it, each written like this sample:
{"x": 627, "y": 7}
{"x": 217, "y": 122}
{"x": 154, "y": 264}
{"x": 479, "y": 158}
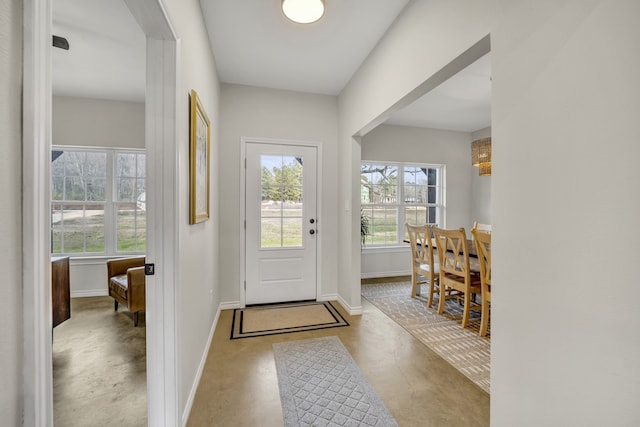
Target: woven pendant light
{"x": 481, "y": 155}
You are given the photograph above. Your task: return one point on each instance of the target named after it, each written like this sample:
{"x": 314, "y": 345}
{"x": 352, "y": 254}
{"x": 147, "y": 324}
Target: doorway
{"x": 160, "y": 141}
{"x": 281, "y": 222}
{"x": 98, "y": 178}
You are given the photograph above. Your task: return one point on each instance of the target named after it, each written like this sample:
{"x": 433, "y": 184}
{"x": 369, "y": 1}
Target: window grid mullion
{"x": 110, "y": 228}
{"x": 401, "y": 205}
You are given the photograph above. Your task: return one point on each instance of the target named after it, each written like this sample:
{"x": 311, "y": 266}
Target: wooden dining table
{"x": 471, "y": 246}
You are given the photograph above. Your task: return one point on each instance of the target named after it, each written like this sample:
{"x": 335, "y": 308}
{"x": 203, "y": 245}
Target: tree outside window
{"x": 281, "y": 207}
{"x": 395, "y": 193}
{"x": 131, "y": 220}
{"x": 94, "y": 201}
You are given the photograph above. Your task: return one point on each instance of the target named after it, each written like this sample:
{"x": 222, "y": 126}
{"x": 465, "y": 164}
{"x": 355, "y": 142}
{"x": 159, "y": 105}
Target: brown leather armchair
{"x": 126, "y": 282}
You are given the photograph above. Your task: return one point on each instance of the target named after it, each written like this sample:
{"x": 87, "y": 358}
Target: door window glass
{"x": 282, "y": 201}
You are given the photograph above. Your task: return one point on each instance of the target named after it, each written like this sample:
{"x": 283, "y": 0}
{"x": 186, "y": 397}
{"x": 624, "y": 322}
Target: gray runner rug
{"x": 320, "y": 385}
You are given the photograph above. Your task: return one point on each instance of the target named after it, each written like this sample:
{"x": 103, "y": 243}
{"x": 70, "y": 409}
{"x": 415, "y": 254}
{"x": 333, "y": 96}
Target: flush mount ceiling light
{"x": 303, "y": 11}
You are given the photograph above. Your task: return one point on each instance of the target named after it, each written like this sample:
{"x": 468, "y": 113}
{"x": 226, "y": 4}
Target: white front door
{"x": 281, "y": 223}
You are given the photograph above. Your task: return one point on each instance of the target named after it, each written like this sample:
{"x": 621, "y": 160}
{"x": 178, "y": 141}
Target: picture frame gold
{"x": 199, "y": 161}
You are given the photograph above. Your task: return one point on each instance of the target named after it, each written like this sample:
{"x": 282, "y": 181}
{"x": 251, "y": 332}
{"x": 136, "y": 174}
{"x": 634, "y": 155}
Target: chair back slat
{"x": 421, "y": 245}
{"x": 482, "y": 241}
{"x": 455, "y": 271}
{"x": 483, "y": 246}
{"x": 424, "y": 270}
{"x": 453, "y": 251}
{"x": 481, "y": 227}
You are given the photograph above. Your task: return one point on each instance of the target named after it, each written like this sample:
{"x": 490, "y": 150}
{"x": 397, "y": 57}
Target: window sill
{"x": 386, "y": 249}
{"x": 94, "y": 259}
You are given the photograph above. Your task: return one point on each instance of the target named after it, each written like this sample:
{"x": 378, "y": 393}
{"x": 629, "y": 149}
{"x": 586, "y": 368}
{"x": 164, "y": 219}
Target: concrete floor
{"x": 102, "y": 374}
{"x": 99, "y": 367}
{"x": 239, "y": 385}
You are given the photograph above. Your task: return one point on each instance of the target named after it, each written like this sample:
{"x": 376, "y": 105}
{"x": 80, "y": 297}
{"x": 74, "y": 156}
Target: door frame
{"x": 161, "y": 135}
{"x": 243, "y": 219}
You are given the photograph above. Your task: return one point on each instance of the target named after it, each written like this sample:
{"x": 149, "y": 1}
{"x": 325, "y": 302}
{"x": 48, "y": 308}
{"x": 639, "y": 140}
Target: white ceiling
{"x": 462, "y": 103}
{"x": 106, "y": 56}
{"x": 254, "y": 44}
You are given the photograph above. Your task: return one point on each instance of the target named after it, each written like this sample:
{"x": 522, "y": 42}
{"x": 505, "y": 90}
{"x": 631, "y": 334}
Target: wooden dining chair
{"x": 483, "y": 247}
{"x": 481, "y": 227}
{"x": 424, "y": 269}
{"x": 455, "y": 273}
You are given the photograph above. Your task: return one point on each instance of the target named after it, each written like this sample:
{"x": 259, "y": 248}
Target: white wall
{"x": 565, "y": 109}
{"x": 11, "y": 392}
{"x": 88, "y": 277}
{"x": 425, "y": 38}
{"x": 412, "y": 144}
{"x": 480, "y": 187}
{"x": 385, "y": 262}
{"x": 97, "y": 122}
{"x": 267, "y": 113}
{"x": 197, "y": 284}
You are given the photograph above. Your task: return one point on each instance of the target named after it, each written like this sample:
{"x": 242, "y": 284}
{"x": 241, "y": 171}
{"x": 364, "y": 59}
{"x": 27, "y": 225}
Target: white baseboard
{"x": 91, "y": 293}
{"x": 230, "y": 305}
{"x": 385, "y": 274}
{"x": 353, "y": 311}
{"x": 328, "y": 297}
{"x": 196, "y": 382}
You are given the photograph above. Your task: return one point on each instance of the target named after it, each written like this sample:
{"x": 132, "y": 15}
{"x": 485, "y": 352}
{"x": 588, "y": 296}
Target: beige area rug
{"x": 462, "y": 348}
{"x": 284, "y": 318}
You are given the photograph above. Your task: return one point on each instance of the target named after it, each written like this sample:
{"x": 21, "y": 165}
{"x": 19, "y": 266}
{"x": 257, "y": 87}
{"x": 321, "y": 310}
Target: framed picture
{"x": 199, "y": 162}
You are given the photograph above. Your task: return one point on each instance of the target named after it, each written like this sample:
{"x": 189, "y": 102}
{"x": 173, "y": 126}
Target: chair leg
{"x": 431, "y": 291}
{"x": 115, "y": 305}
{"x": 484, "y": 319}
{"x": 414, "y": 283}
{"x": 135, "y": 319}
{"x": 465, "y": 313}
{"x": 443, "y": 296}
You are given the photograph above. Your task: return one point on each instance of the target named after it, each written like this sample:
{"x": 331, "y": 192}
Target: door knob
{"x": 312, "y": 220}
{"x": 312, "y": 231}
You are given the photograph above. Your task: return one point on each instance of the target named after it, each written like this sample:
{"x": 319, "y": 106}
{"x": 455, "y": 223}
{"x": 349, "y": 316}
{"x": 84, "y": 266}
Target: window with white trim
{"x": 97, "y": 201}
{"x": 394, "y": 193}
